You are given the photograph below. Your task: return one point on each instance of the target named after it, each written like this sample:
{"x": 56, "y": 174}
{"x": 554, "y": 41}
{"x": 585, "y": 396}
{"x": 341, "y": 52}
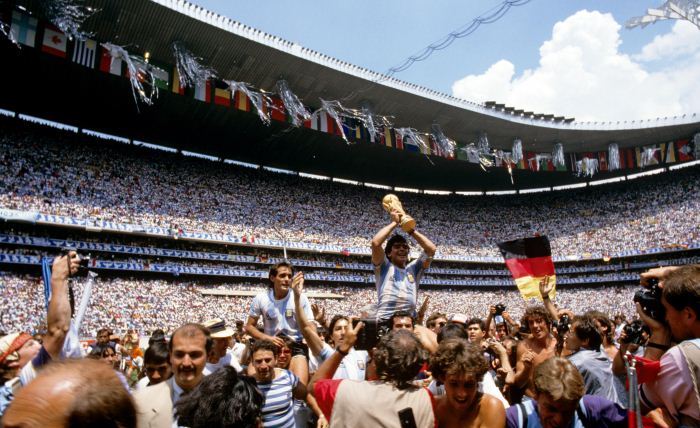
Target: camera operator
{"x": 675, "y": 389}
{"x": 633, "y": 338}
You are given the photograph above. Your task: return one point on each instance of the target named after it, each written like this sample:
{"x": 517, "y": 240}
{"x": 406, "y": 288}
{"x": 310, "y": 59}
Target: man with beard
{"x": 396, "y": 279}
{"x": 189, "y": 347}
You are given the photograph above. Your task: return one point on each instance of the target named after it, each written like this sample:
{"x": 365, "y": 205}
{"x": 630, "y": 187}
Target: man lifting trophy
{"x": 397, "y": 279}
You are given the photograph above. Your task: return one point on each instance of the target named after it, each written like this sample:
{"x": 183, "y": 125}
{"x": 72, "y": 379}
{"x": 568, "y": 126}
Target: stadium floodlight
{"x": 378, "y": 186}
{"x": 406, "y": 189}
{"x": 469, "y": 193}
{"x": 606, "y": 181}
{"x": 47, "y": 122}
{"x": 279, "y": 170}
{"x": 104, "y": 136}
{"x": 155, "y": 146}
{"x": 686, "y": 10}
{"x": 200, "y": 155}
{"x": 646, "y": 173}
{"x": 684, "y": 165}
{"x": 570, "y": 186}
{"x": 243, "y": 164}
{"x": 314, "y": 176}
{"x": 437, "y": 192}
{"x": 345, "y": 181}
{"x": 501, "y": 192}
{"x": 535, "y": 190}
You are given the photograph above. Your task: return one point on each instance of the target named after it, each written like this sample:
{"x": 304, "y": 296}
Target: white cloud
{"x": 582, "y": 73}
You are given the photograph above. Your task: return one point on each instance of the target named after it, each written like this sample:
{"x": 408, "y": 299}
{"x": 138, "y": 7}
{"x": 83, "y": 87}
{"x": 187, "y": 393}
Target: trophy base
{"x": 408, "y": 224}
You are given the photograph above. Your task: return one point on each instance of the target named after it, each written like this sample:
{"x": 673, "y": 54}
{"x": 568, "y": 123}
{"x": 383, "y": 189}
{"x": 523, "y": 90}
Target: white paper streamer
{"x": 334, "y": 110}
{"x": 472, "y": 152}
{"x": 295, "y": 108}
{"x": 558, "y": 155}
{"x": 189, "y": 70}
{"x": 647, "y": 157}
{"x": 539, "y": 158}
{"x": 5, "y": 30}
{"x": 483, "y": 144}
{"x": 517, "y": 153}
{"x": 415, "y": 136}
{"x": 587, "y": 167}
{"x": 256, "y": 98}
{"x": 447, "y": 146}
{"x": 613, "y": 157}
{"x": 68, "y": 16}
{"x": 136, "y": 85}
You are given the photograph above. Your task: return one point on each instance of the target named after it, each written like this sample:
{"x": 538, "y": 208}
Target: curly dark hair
{"x": 265, "y": 345}
{"x": 537, "y": 311}
{"x": 457, "y": 356}
{"x": 584, "y": 328}
{"x": 399, "y": 357}
{"x": 222, "y": 399}
{"x": 604, "y": 321}
{"x": 452, "y": 331}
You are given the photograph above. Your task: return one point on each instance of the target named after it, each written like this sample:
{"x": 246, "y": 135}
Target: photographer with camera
{"x": 504, "y": 324}
{"x": 633, "y": 339}
{"x": 670, "y": 306}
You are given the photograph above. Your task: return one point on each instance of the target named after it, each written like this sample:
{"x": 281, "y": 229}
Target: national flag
{"x": 23, "y": 28}
{"x": 410, "y": 145}
{"x": 277, "y": 110}
{"x": 602, "y": 161}
{"x": 110, "y": 64}
{"x": 85, "y": 52}
{"x": 55, "y": 42}
{"x": 630, "y": 154}
{"x": 161, "y": 78}
{"x": 638, "y": 156}
{"x": 202, "y": 91}
{"x": 670, "y": 153}
{"x": 685, "y": 152}
{"x": 222, "y": 94}
{"x": 529, "y": 261}
{"x": 398, "y": 140}
{"x": 388, "y": 137}
{"x": 241, "y": 101}
{"x": 176, "y": 83}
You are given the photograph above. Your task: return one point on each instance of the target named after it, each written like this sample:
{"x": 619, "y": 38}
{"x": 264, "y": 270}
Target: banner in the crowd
{"x": 15, "y": 215}
{"x": 529, "y": 260}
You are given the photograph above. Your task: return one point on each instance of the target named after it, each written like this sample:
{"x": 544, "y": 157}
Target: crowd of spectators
{"x": 148, "y": 304}
{"x": 58, "y": 175}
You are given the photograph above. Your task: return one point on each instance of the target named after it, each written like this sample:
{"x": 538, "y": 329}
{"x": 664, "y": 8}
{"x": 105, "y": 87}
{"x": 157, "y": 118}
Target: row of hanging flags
{"x": 89, "y": 53}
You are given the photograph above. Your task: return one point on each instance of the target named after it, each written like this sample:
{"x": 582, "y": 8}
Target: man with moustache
{"x": 189, "y": 347}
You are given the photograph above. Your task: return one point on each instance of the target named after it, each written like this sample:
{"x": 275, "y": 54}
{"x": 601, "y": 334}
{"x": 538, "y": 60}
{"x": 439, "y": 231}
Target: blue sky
{"x": 381, "y": 34}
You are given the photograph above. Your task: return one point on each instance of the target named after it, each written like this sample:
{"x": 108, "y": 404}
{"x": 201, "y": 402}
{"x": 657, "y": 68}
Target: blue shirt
{"x": 278, "y": 407}
{"x": 397, "y": 288}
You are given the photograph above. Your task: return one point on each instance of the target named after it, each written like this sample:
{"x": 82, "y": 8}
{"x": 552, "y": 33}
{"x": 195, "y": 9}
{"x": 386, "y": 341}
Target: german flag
{"x": 529, "y": 260}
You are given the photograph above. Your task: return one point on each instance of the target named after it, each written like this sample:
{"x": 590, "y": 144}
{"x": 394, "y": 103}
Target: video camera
{"x": 84, "y": 260}
{"x": 633, "y": 332}
{"x": 370, "y": 334}
{"x": 500, "y": 308}
{"x": 650, "y": 300}
{"x": 563, "y": 325}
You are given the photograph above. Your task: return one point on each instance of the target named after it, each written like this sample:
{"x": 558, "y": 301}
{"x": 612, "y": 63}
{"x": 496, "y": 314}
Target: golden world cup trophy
{"x": 391, "y": 203}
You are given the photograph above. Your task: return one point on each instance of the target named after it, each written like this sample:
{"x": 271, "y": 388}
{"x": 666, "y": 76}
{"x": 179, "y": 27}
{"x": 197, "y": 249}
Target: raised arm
{"x": 523, "y": 365}
{"x": 380, "y": 237}
{"x": 425, "y": 243}
{"x": 58, "y": 317}
{"x": 546, "y": 288}
{"x": 307, "y": 329}
{"x": 328, "y": 368}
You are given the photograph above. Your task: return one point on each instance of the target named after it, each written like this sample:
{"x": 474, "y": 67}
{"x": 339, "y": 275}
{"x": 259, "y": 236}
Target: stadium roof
{"x": 245, "y": 54}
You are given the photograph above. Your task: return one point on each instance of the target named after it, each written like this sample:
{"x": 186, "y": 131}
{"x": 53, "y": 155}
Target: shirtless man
{"x": 540, "y": 347}
{"x": 460, "y": 366}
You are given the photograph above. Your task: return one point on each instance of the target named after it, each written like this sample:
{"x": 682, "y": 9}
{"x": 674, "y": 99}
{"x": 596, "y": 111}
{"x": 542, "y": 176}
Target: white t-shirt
{"x": 278, "y": 315}
{"x": 353, "y": 366}
{"x": 227, "y": 360}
